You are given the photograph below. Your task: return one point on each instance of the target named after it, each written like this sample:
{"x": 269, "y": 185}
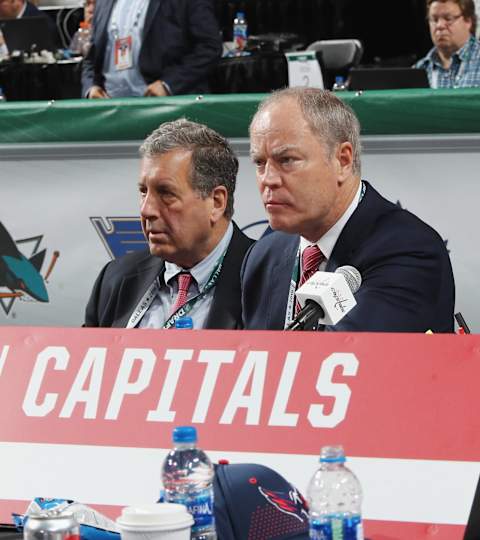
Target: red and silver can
{"x": 51, "y": 526}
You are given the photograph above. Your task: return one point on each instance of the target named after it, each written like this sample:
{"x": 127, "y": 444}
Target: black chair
{"x": 338, "y": 56}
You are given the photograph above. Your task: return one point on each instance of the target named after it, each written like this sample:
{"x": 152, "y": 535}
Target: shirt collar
{"x": 327, "y": 242}
{"x": 22, "y": 11}
{"x": 202, "y": 271}
{"x": 462, "y": 53}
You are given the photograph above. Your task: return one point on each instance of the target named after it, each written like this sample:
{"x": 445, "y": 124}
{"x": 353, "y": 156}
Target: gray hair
{"x": 213, "y": 161}
{"x": 333, "y": 121}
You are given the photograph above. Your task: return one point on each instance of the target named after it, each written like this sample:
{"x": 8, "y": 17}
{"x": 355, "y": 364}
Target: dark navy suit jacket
{"x": 122, "y": 283}
{"x": 407, "y": 280}
{"x": 181, "y": 43}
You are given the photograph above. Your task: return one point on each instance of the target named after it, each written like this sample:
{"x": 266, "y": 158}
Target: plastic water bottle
{"x": 2, "y": 95}
{"x": 240, "y": 31}
{"x": 184, "y": 323}
{"x": 81, "y": 40}
{"x": 187, "y": 476}
{"x": 339, "y": 85}
{"x": 335, "y": 498}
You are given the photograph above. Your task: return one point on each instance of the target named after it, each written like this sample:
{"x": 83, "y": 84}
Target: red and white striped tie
{"x": 184, "y": 281}
{"x": 311, "y": 259}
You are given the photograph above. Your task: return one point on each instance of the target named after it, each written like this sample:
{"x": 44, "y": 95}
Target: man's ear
{"x": 344, "y": 156}
{"x": 219, "y": 199}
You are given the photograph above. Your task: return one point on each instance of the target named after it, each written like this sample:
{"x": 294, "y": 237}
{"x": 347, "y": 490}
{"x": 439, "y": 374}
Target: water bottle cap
{"x": 184, "y": 434}
{"x": 339, "y": 79}
{"x": 240, "y": 15}
{"x": 332, "y": 454}
{"x": 184, "y": 323}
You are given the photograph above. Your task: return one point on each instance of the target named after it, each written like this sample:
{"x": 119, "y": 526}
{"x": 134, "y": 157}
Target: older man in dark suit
{"x": 151, "y": 48}
{"x": 192, "y": 268}
{"x": 306, "y": 148}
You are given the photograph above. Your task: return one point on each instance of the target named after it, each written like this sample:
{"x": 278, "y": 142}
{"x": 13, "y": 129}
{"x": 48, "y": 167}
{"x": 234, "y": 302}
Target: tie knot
{"x": 184, "y": 280}
{"x": 311, "y": 258}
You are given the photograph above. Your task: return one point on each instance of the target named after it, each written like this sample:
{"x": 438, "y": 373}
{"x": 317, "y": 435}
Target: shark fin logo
{"x": 20, "y": 276}
{"x": 120, "y": 235}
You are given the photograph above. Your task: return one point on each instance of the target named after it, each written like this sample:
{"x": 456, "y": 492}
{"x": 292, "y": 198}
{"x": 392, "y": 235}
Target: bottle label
{"x": 201, "y": 508}
{"x": 240, "y": 35}
{"x": 336, "y": 528}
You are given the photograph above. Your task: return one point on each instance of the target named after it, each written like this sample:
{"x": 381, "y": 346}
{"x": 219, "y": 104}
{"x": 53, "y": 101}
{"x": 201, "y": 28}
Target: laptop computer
{"x": 387, "y": 78}
{"x": 27, "y": 34}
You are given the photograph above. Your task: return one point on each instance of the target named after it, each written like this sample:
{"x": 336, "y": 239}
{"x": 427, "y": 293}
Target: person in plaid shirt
{"x": 454, "y": 61}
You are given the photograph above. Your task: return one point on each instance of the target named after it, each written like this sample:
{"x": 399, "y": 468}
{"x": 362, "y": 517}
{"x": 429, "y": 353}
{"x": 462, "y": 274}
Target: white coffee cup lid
{"x": 161, "y": 515}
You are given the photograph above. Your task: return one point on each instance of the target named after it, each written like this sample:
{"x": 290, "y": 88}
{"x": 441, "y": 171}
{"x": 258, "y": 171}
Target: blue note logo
{"x": 20, "y": 265}
{"x": 122, "y": 235}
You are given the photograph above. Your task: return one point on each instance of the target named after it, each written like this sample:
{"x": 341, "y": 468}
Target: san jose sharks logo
{"x": 20, "y": 276}
{"x": 291, "y": 503}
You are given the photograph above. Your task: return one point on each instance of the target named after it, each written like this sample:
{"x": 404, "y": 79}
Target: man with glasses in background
{"x": 454, "y": 61}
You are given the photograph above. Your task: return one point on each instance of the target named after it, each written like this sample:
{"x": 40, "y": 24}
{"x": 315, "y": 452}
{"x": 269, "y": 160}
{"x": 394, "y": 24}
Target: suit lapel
{"x": 225, "y": 311}
{"x": 279, "y": 286}
{"x": 152, "y": 9}
{"x": 356, "y": 229}
{"x": 133, "y": 287}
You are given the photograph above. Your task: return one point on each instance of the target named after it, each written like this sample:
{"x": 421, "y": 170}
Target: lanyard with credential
{"x": 152, "y": 291}
{"x": 290, "y": 312}
{"x": 291, "y": 291}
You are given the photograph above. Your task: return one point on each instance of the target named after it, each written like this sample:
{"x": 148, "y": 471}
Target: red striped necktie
{"x": 311, "y": 259}
{"x": 184, "y": 281}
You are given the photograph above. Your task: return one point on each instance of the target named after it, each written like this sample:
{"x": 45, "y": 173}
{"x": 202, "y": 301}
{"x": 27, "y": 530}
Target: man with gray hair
{"x": 305, "y": 144}
{"x": 192, "y": 268}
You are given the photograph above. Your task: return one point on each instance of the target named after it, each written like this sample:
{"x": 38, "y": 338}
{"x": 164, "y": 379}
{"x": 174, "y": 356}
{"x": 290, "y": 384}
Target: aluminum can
{"x": 51, "y": 526}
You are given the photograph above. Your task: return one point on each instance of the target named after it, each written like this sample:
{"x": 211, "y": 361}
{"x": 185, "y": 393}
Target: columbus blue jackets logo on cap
{"x": 20, "y": 266}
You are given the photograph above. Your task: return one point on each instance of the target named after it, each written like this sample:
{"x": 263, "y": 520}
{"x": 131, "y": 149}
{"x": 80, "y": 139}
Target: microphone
{"x": 326, "y": 297}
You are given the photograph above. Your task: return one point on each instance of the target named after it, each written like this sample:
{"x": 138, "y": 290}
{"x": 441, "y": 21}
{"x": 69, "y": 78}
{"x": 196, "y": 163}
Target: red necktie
{"x": 184, "y": 280}
{"x": 311, "y": 259}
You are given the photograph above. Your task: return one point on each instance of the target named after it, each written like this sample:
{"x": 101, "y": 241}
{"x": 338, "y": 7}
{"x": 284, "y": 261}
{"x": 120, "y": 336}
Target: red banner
{"x": 387, "y": 396}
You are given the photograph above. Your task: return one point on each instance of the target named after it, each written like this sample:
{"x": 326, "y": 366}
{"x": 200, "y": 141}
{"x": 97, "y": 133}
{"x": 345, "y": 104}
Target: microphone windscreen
{"x": 352, "y": 277}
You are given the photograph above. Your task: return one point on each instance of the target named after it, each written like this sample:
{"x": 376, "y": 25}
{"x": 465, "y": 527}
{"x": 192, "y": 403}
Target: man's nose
{"x": 148, "y": 207}
{"x": 271, "y": 177}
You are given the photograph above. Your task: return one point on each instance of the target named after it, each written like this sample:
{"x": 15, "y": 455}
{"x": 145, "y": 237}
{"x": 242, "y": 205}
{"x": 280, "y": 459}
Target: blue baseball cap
{"x": 255, "y": 502}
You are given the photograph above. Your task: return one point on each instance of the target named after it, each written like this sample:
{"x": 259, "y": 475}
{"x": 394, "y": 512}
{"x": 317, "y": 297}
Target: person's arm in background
{"x": 206, "y": 49}
{"x": 92, "y": 82}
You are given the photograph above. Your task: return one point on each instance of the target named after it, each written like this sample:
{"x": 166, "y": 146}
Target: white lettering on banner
{"x": 279, "y": 416}
{"x": 214, "y": 360}
{"x": 92, "y": 366}
{"x": 255, "y": 367}
{"x": 60, "y": 356}
{"x": 3, "y": 357}
{"x": 163, "y": 413}
{"x": 340, "y": 391}
{"x": 123, "y": 386}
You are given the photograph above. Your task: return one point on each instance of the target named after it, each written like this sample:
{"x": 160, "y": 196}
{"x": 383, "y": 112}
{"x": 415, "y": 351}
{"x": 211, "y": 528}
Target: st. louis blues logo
{"x": 20, "y": 276}
{"x": 122, "y": 235}
{"x": 291, "y": 503}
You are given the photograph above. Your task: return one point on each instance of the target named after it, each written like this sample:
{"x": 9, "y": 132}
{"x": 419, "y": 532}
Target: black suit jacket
{"x": 181, "y": 42}
{"x": 407, "y": 280}
{"x": 122, "y": 283}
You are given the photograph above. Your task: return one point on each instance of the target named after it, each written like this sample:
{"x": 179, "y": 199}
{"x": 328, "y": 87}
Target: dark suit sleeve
{"x": 205, "y": 48}
{"x": 89, "y": 75}
{"x": 407, "y": 283}
{"x": 91, "y": 312}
